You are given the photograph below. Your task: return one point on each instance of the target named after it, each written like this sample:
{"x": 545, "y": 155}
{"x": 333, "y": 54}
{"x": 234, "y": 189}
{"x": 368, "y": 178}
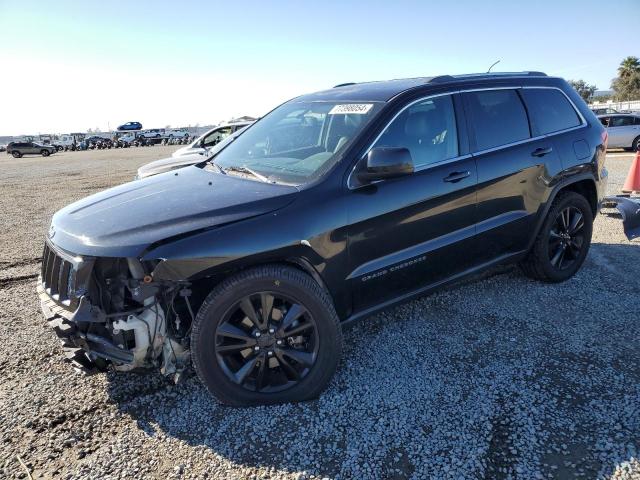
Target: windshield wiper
{"x": 217, "y": 167}
{"x": 247, "y": 170}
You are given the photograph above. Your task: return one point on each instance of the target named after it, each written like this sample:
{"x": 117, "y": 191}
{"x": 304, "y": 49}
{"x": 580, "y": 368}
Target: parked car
{"x": 623, "y": 130}
{"x": 604, "y": 111}
{"x": 3, "y": 148}
{"x": 210, "y": 139}
{"x": 152, "y": 133}
{"x": 333, "y": 206}
{"x": 18, "y": 149}
{"x": 130, "y": 126}
{"x": 174, "y": 163}
{"x": 127, "y": 137}
{"x": 176, "y": 133}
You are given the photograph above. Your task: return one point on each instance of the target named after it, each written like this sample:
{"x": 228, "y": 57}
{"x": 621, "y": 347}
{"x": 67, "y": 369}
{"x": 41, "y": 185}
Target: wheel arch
{"x": 584, "y": 185}
{"x": 203, "y": 285}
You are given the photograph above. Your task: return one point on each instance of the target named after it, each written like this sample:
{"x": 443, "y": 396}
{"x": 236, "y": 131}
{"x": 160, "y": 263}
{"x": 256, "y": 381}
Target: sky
{"x": 70, "y": 66}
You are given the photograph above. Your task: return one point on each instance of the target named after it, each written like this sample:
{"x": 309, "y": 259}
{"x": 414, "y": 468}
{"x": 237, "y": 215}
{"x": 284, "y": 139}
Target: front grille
{"x": 58, "y": 276}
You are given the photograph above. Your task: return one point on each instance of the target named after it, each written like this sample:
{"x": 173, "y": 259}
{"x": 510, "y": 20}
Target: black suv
{"x": 18, "y": 149}
{"x": 333, "y": 206}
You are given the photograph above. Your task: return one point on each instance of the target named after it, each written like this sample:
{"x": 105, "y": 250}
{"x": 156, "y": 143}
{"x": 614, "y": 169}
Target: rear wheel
{"x": 563, "y": 242}
{"x": 266, "y": 335}
{"x": 16, "y": 154}
{"x": 635, "y": 146}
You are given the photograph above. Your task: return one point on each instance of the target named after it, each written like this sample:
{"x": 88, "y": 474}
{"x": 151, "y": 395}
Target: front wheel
{"x": 16, "y": 154}
{"x": 563, "y": 242}
{"x": 266, "y": 335}
{"x": 45, "y": 153}
{"x": 635, "y": 146}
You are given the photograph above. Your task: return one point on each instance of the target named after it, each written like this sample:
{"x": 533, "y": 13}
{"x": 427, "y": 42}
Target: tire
{"x": 45, "y": 153}
{"x": 16, "y": 154}
{"x": 635, "y": 146}
{"x": 552, "y": 240}
{"x": 318, "y": 320}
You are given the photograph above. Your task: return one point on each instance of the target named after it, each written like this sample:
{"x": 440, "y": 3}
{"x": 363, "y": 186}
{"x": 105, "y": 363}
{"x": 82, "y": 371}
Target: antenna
{"x": 493, "y": 65}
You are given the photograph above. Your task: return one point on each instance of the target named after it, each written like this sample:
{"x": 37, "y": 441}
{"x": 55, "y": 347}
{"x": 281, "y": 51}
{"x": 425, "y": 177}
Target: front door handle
{"x": 542, "y": 151}
{"x": 456, "y": 176}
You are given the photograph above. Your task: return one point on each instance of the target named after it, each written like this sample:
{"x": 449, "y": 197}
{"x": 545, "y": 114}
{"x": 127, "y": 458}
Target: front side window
{"x": 550, "y": 110}
{"x": 297, "y": 141}
{"x": 427, "y": 129}
{"x": 498, "y": 118}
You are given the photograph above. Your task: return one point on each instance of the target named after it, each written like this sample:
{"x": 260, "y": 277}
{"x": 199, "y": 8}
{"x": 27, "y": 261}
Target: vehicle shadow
{"x": 497, "y": 377}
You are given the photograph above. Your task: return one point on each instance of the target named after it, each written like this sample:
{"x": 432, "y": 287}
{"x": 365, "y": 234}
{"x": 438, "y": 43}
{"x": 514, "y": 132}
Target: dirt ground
{"x": 500, "y": 377}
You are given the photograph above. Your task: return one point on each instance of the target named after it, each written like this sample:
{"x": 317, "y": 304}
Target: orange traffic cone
{"x": 632, "y": 183}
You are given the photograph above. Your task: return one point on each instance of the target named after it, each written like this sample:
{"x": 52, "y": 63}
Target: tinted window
{"x": 427, "y": 129}
{"x": 550, "y": 110}
{"x": 621, "y": 121}
{"x": 498, "y": 118}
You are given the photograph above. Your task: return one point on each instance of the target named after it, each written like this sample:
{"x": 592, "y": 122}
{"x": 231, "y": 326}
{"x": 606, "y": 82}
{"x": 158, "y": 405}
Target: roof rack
{"x": 344, "y": 84}
{"x": 452, "y": 78}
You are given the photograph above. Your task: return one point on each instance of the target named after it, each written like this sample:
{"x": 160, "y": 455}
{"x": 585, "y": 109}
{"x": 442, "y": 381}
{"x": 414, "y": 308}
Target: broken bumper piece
{"x": 629, "y": 208}
{"x": 86, "y": 351}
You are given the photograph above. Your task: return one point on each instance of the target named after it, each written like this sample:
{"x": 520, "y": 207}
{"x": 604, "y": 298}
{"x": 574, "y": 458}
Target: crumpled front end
{"x": 109, "y": 313}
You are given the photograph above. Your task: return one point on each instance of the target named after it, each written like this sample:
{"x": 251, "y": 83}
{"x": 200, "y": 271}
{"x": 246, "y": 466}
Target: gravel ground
{"x": 500, "y": 377}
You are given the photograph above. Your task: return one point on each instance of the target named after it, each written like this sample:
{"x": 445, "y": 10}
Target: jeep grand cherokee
{"x": 333, "y": 206}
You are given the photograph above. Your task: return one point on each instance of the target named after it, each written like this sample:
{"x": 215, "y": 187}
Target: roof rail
{"x": 452, "y": 78}
{"x": 344, "y": 84}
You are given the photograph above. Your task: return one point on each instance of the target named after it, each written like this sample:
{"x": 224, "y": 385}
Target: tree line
{"x": 626, "y": 86}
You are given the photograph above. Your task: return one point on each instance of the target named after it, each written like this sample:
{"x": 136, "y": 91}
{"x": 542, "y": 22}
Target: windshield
{"x": 297, "y": 141}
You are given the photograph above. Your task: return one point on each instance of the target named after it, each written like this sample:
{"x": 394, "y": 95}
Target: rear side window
{"x": 550, "y": 110}
{"x": 621, "y": 121}
{"x": 498, "y": 118}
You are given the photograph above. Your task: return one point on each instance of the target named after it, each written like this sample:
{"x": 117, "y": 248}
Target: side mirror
{"x": 386, "y": 162}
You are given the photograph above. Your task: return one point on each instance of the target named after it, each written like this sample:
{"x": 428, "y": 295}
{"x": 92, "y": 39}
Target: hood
{"x": 168, "y": 164}
{"x": 123, "y": 221}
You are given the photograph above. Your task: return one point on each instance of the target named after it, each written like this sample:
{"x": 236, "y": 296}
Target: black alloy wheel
{"x": 266, "y": 342}
{"x": 563, "y": 241}
{"x": 266, "y": 335}
{"x": 566, "y": 238}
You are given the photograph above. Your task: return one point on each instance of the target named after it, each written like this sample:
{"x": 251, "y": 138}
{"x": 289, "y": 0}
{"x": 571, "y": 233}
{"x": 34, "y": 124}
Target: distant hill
{"x": 602, "y": 93}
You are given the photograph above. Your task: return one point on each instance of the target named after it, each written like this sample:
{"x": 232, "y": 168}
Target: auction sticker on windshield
{"x": 346, "y": 108}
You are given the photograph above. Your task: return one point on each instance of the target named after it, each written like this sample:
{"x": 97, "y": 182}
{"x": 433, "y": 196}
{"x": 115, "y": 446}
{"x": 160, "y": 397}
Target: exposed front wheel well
{"x": 586, "y": 188}
{"x": 203, "y": 286}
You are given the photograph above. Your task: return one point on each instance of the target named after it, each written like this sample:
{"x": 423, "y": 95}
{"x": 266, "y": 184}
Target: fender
{"x": 562, "y": 184}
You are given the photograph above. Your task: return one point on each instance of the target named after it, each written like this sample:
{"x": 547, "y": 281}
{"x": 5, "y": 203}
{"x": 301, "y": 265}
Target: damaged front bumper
{"x": 92, "y": 339}
{"x": 87, "y": 352}
{"x": 629, "y": 208}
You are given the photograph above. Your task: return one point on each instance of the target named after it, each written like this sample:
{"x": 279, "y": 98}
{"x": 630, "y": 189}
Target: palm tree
{"x": 628, "y": 67}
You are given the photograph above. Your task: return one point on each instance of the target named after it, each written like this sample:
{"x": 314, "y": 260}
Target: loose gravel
{"x": 499, "y": 377}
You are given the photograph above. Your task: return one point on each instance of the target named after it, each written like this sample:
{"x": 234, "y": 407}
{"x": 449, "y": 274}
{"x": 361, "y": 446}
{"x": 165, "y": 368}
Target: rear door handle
{"x": 456, "y": 176}
{"x": 542, "y": 151}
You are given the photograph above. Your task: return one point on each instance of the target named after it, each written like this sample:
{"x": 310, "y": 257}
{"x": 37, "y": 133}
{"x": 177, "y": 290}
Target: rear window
{"x": 498, "y": 118}
{"x": 550, "y": 110}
